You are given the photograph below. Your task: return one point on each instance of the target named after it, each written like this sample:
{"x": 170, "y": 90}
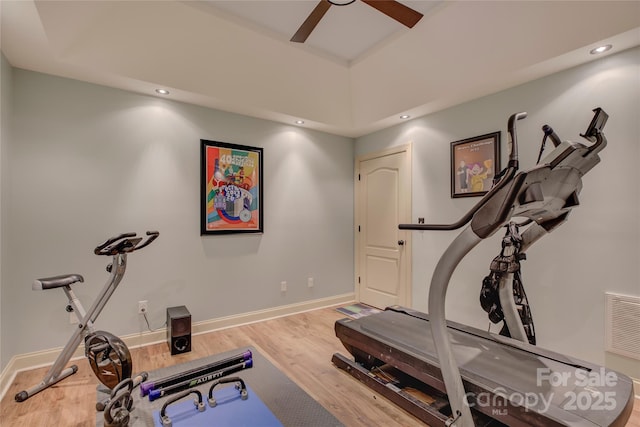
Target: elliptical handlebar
{"x": 504, "y": 177}
{"x": 594, "y": 131}
{"x": 553, "y": 136}
{"x": 125, "y": 243}
{"x": 513, "y": 138}
{"x": 507, "y": 175}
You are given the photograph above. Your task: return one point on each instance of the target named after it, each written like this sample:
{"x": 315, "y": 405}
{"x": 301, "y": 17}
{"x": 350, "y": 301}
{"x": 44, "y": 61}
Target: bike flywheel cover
{"x": 109, "y": 358}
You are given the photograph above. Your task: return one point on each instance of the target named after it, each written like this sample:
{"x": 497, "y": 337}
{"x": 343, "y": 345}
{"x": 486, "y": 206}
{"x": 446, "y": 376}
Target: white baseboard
{"x": 636, "y": 388}
{"x": 23, "y": 362}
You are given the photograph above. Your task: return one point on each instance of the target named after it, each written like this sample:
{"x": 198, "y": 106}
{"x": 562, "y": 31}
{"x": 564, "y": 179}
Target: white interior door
{"x": 383, "y": 191}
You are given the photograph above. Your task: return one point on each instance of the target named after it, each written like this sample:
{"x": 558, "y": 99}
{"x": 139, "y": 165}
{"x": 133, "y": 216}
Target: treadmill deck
{"x": 510, "y": 381}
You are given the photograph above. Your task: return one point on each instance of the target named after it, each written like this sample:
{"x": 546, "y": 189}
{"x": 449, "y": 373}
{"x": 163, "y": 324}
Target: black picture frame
{"x": 231, "y": 188}
{"x": 474, "y": 162}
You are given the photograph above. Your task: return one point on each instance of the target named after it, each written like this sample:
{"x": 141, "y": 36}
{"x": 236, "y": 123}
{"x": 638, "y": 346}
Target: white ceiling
{"x": 344, "y": 32}
{"x": 358, "y": 71}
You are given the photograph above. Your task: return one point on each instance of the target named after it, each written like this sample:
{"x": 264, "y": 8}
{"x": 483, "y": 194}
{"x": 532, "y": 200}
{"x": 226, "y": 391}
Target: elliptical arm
{"x": 458, "y": 398}
{"x": 513, "y": 139}
{"x": 493, "y": 209}
{"x": 504, "y": 177}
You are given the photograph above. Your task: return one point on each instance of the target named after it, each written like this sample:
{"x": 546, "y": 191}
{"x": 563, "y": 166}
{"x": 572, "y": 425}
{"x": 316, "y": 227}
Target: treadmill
{"x": 448, "y": 374}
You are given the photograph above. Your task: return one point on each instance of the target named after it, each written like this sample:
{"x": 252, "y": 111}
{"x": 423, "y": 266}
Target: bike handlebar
{"x": 153, "y": 235}
{"x": 125, "y": 243}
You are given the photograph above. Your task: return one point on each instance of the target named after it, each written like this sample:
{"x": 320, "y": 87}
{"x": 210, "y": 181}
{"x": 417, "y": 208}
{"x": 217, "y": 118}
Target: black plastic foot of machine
{"x": 448, "y": 374}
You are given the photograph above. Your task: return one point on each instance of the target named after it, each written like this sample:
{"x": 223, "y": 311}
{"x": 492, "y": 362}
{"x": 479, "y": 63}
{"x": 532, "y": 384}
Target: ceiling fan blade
{"x": 310, "y": 23}
{"x": 401, "y": 13}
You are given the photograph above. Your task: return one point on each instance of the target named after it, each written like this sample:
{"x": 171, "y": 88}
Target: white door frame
{"x": 406, "y": 148}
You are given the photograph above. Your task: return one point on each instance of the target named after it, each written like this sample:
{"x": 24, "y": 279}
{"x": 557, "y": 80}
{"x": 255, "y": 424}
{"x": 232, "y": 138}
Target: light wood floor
{"x": 286, "y": 341}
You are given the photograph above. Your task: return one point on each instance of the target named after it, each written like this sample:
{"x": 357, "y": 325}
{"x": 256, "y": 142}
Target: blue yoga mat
{"x": 285, "y": 401}
{"x": 230, "y": 411}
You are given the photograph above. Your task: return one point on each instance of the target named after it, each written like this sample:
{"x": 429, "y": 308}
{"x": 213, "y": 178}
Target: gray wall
{"x": 88, "y": 162}
{"x": 84, "y": 162}
{"x": 566, "y": 273}
{"x": 5, "y": 114}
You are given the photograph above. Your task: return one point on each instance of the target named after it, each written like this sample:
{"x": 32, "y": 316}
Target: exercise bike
{"x": 108, "y": 355}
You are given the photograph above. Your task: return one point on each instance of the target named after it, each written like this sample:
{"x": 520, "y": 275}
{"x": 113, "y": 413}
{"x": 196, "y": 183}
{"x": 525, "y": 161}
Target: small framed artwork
{"x": 230, "y": 188}
{"x": 474, "y": 162}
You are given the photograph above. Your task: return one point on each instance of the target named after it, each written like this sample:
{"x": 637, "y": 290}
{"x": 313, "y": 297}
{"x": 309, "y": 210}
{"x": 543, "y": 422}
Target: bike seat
{"x": 56, "y": 281}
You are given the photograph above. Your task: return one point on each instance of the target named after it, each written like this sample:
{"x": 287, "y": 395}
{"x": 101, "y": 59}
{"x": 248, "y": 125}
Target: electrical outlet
{"x": 283, "y": 286}
{"x": 310, "y": 282}
{"x": 143, "y": 306}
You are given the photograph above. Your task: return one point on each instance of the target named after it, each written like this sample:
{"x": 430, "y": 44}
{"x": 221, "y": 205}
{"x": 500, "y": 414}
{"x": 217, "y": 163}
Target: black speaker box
{"x": 179, "y": 329}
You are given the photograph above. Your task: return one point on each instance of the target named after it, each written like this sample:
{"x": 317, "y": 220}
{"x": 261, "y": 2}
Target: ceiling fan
{"x": 393, "y": 9}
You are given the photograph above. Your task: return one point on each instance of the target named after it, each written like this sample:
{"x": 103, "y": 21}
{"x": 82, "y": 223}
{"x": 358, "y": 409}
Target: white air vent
{"x": 622, "y": 325}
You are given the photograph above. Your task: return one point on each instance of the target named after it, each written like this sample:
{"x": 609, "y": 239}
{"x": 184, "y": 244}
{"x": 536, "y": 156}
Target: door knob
{"x": 401, "y": 242}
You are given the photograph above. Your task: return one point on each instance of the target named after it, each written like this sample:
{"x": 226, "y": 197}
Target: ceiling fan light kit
{"x": 393, "y": 9}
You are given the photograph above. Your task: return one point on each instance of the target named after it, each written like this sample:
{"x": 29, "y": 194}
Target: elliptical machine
{"x": 544, "y": 196}
{"x": 108, "y": 355}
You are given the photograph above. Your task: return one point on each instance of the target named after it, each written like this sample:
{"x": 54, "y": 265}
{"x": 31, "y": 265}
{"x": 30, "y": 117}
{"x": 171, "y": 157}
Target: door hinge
{"x": 358, "y": 177}
{"x": 358, "y": 229}
{"x": 358, "y": 279}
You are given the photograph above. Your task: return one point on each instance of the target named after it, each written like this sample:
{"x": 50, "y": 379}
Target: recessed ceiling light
{"x": 405, "y": 116}
{"x": 299, "y": 122}
{"x": 162, "y": 91}
{"x": 600, "y": 49}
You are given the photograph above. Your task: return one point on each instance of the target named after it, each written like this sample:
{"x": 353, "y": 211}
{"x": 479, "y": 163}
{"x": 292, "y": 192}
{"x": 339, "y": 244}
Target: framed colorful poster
{"x": 474, "y": 162}
{"x": 230, "y": 188}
